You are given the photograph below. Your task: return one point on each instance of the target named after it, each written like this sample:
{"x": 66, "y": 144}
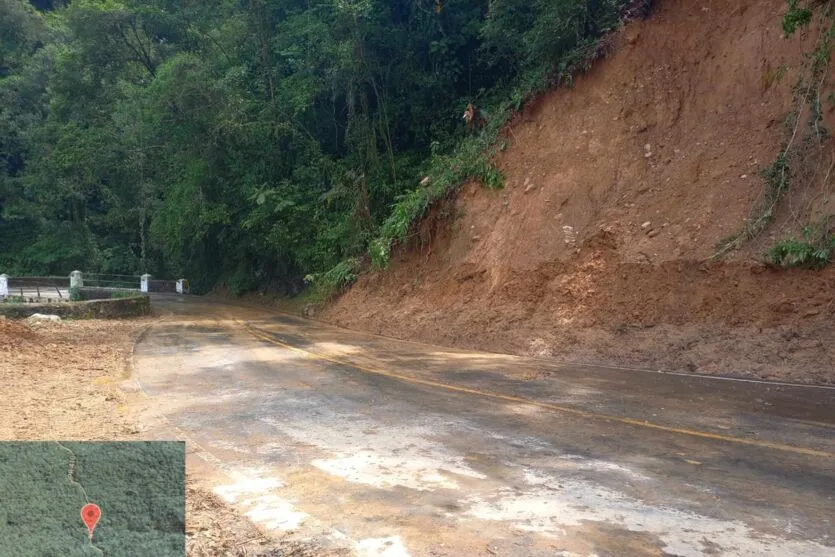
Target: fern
{"x": 812, "y": 251}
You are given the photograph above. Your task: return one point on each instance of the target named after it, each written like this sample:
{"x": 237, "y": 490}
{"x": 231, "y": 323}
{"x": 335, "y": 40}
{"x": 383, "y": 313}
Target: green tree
{"x": 256, "y": 142}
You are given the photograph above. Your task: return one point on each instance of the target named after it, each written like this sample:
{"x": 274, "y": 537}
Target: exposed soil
{"x": 618, "y": 192}
{"x": 61, "y": 381}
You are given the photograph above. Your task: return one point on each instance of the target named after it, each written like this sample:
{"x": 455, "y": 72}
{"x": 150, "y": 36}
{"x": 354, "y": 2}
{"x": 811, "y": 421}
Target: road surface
{"x": 41, "y": 294}
{"x": 390, "y": 448}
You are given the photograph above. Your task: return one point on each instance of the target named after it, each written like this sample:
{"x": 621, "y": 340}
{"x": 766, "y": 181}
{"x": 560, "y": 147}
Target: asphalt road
{"x": 393, "y": 448}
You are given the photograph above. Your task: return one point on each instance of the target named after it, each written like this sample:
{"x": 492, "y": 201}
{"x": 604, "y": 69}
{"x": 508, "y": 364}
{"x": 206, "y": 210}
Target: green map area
{"x": 139, "y": 486}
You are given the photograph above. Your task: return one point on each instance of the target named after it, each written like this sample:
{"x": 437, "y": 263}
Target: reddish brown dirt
{"x": 14, "y": 335}
{"x": 618, "y": 191}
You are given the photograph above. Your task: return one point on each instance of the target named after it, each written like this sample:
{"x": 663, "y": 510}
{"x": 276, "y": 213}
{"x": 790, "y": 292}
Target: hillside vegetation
{"x": 258, "y": 142}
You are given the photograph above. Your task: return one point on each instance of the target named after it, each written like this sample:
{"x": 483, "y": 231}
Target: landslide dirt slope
{"x": 618, "y": 191}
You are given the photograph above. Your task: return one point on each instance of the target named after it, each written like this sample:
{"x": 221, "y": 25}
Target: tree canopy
{"x": 252, "y": 141}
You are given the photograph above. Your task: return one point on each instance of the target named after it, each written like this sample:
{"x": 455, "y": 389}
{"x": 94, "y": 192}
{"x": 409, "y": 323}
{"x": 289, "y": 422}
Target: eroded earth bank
{"x": 609, "y": 242}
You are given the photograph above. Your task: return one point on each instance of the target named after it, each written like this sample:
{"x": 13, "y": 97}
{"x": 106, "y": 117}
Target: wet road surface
{"x": 390, "y": 448}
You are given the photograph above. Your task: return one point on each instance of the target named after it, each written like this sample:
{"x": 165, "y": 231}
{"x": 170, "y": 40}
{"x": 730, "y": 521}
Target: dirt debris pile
{"x": 15, "y": 335}
{"x": 618, "y": 192}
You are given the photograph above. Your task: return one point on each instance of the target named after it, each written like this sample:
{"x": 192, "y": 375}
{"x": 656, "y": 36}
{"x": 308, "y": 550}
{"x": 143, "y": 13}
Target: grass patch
{"x": 119, "y": 294}
{"x": 813, "y": 250}
{"x": 325, "y": 286}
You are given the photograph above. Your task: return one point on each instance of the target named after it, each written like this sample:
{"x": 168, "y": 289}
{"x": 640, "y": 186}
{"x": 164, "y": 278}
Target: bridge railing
{"x": 35, "y": 289}
{"x": 49, "y": 289}
{"x": 101, "y": 280}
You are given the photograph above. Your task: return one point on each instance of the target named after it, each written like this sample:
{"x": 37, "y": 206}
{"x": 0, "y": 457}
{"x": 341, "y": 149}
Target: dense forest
{"x": 259, "y": 142}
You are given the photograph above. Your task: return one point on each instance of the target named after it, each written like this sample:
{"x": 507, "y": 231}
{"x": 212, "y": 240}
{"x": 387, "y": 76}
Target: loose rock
{"x": 44, "y": 317}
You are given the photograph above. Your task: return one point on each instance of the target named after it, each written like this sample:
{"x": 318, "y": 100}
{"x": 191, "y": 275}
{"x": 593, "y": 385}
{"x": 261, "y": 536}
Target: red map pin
{"x": 90, "y": 514}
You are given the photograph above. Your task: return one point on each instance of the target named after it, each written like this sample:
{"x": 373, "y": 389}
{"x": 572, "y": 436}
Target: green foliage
{"x": 109, "y": 473}
{"x": 341, "y": 275}
{"x": 798, "y": 147}
{"x": 254, "y": 143}
{"x": 813, "y": 251}
{"x": 334, "y": 280}
{"x": 777, "y": 178}
{"x": 241, "y": 281}
{"x": 120, "y": 294}
{"x": 470, "y": 159}
{"x": 21, "y": 27}
{"x": 796, "y": 17}
{"x": 542, "y": 40}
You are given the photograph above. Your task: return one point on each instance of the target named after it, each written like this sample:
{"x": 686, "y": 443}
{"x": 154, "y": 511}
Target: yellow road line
{"x": 545, "y": 405}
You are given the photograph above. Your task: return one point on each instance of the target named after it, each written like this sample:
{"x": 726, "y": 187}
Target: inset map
{"x": 139, "y": 488}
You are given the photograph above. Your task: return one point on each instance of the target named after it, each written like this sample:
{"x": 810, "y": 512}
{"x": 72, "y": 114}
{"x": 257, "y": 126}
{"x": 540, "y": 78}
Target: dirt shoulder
{"x": 741, "y": 320}
{"x": 62, "y": 381}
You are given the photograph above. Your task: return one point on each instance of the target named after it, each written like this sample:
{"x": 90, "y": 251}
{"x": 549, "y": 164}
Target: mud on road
{"x": 381, "y": 447}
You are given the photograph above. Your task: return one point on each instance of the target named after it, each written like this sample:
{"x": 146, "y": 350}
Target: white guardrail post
{"x": 76, "y": 279}
{"x": 4, "y": 286}
{"x": 180, "y": 286}
{"x": 143, "y": 283}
